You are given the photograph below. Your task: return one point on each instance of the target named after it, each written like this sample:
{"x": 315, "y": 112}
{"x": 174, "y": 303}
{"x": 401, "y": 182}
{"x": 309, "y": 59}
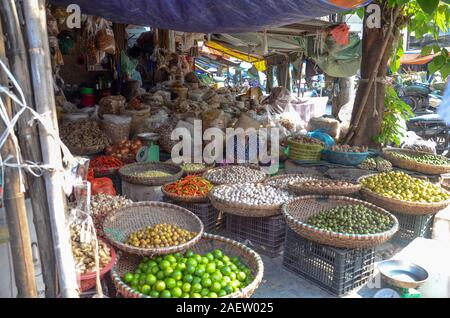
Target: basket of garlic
{"x": 84, "y": 257}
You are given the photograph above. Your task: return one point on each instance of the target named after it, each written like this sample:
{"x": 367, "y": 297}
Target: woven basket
{"x": 414, "y": 165}
{"x": 89, "y": 280}
{"x": 137, "y": 117}
{"x": 119, "y": 225}
{"x": 241, "y": 209}
{"x": 127, "y": 173}
{"x": 400, "y": 206}
{"x": 298, "y": 211}
{"x": 304, "y": 152}
{"x": 299, "y": 188}
{"x": 128, "y": 262}
{"x": 184, "y": 198}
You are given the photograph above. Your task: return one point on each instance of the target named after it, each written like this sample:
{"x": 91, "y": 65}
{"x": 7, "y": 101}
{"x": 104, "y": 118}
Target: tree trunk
{"x": 370, "y": 123}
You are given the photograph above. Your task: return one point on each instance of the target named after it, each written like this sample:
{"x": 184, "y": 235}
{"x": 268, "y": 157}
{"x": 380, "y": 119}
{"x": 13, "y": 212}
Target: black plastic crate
{"x": 413, "y": 226}
{"x": 210, "y": 216}
{"x": 265, "y": 235}
{"x": 336, "y": 270}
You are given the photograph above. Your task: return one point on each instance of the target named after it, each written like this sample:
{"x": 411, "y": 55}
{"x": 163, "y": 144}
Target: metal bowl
{"x": 402, "y": 274}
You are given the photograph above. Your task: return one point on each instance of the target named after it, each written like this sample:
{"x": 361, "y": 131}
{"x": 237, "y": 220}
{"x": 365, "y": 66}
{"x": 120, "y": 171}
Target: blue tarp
{"x": 206, "y": 16}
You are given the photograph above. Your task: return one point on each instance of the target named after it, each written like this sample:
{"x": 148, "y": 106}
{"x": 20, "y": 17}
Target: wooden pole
{"x": 42, "y": 80}
{"x": 29, "y": 144}
{"x": 14, "y": 202}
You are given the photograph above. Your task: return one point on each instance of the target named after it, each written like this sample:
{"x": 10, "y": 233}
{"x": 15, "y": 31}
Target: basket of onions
{"x": 125, "y": 150}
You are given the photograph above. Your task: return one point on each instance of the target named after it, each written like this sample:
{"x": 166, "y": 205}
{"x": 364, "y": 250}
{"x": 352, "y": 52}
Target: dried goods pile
{"x": 102, "y": 205}
{"x": 82, "y": 134}
{"x": 151, "y": 174}
{"x": 234, "y": 174}
{"x": 422, "y": 158}
{"x": 307, "y": 140}
{"x": 352, "y": 219}
{"x": 125, "y": 150}
{"x": 160, "y": 235}
{"x": 399, "y": 185}
{"x": 325, "y": 183}
{"x": 251, "y": 194}
{"x": 84, "y": 253}
{"x": 347, "y": 148}
{"x": 378, "y": 163}
{"x": 283, "y": 182}
{"x": 190, "y": 275}
{"x": 189, "y": 186}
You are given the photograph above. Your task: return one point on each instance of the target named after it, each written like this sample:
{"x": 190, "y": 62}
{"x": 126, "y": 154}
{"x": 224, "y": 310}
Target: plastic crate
{"x": 211, "y": 218}
{"x": 413, "y": 226}
{"x": 336, "y": 270}
{"x": 265, "y": 235}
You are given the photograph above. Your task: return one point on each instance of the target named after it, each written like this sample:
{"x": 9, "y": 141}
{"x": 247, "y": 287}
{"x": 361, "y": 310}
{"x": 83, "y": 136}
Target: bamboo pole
{"x": 14, "y": 202}
{"x": 29, "y": 144}
{"x": 41, "y": 74}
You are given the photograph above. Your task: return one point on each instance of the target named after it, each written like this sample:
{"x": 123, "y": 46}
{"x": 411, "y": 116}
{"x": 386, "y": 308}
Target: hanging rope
{"x": 378, "y": 80}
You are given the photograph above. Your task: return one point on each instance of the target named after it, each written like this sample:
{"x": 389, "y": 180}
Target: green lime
{"x": 204, "y": 292}
{"x": 200, "y": 270}
{"x": 196, "y": 288}
{"x": 226, "y": 271}
{"x": 145, "y": 289}
{"x": 138, "y": 271}
{"x": 158, "y": 259}
{"x": 171, "y": 259}
{"x": 228, "y": 289}
{"x": 211, "y": 268}
{"x": 142, "y": 265}
{"x": 178, "y": 255}
{"x": 160, "y": 275}
{"x": 179, "y": 283}
{"x": 177, "y": 275}
{"x": 176, "y": 292}
{"x": 164, "y": 264}
{"x": 168, "y": 271}
{"x": 189, "y": 253}
{"x": 207, "y": 282}
{"x": 166, "y": 294}
{"x": 235, "y": 260}
{"x": 186, "y": 287}
{"x": 212, "y": 295}
{"x": 196, "y": 295}
{"x": 205, "y": 260}
{"x": 154, "y": 294}
{"x": 198, "y": 258}
{"x": 160, "y": 285}
{"x": 219, "y": 263}
{"x": 233, "y": 267}
{"x": 135, "y": 281}
{"x": 151, "y": 264}
{"x": 188, "y": 278}
{"x": 221, "y": 293}
{"x": 232, "y": 276}
{"x": 216, "y": 277}
{"x": 225, "y": 259}
{"x": 182, "y": 260}
{"x": 191, "y": 262}
{"x": 216, "y": 287}
{"x": 225, "y": 280}
{"x": 142, "y": 280}
{"x": 155, "y": 269}
{"x": 150, "y": 279}
{"x": 181, "y": 267}
{"x": 170, "y": 283}
{"x": 241, "y": 276}
{"x": 217, "y": 253}
{"x": 196, "y": 280}
{"x": 190, "y": 269}
{"x": 128, "y": 278}
{"x": 206, "y": 275}
{"x": 185, "y": 295}
{"x": 209, "y": 256}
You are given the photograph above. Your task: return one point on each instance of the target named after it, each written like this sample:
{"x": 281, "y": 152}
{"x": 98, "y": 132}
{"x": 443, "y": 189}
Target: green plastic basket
{"x": 304, "y": 152}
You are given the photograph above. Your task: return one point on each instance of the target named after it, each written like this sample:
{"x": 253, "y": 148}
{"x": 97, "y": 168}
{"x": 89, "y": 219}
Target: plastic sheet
{"x": 208, "y": 16}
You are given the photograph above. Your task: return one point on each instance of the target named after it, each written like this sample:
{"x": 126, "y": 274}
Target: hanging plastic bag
{"x": 104, "y": 37}
{"x": 340, "y": 34}
{"x": 103, "y": 186}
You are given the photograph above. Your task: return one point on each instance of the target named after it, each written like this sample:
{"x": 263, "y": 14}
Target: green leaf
{"x": 445, "y": 70}
{"x": 436, "y": 48}
{"x": 428, "y": 6}
{"x": 441, "y": 18}
{"x": 360, "y": 12}
{"x": 433, "y": 66}
{"x": 426, "y": 50}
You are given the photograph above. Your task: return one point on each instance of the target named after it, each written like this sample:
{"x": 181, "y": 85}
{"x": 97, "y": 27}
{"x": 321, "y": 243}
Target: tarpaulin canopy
{"x": 257, "y": 61}
{"x": 416, "y": 58}
{"x": 211, "y": 16}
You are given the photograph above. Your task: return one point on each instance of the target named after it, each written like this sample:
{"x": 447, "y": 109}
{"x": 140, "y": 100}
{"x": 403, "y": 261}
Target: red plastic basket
{"x": 87, "y": 281}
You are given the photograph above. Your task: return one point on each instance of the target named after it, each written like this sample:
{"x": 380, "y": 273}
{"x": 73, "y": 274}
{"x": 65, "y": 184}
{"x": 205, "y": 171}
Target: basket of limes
{"x": 214, "y": 267}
